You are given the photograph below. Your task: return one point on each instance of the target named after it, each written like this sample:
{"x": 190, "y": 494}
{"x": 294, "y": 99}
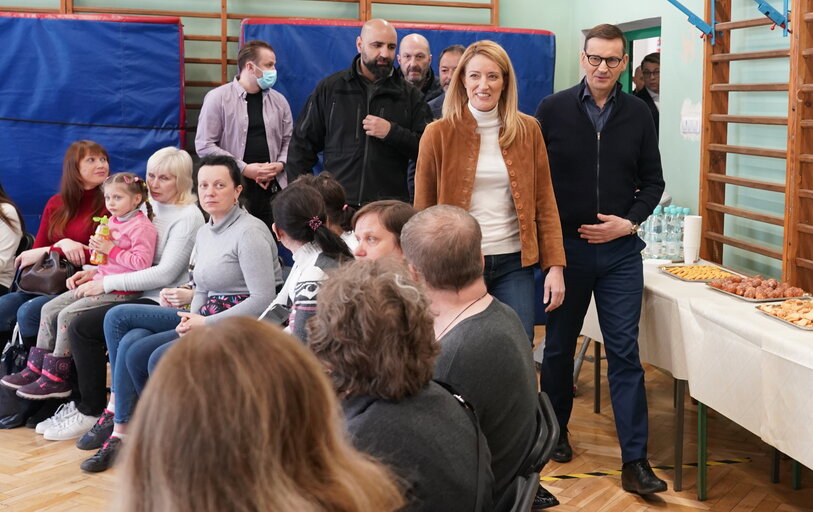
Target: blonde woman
{"x": 191, "y": 449}
{"x": 488, "y": 158}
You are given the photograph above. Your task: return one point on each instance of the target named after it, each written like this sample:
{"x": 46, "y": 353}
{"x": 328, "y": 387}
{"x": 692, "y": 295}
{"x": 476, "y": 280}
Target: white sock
{"x": 111, "y": 407}
{"x": 119, "y": 435}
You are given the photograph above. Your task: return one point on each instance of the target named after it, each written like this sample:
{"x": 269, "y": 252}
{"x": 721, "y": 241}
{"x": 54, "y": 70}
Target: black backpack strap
{"x": 483, "y": 498}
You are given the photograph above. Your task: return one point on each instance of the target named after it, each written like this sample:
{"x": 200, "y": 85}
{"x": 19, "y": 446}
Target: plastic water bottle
{"x": 666, "y": 233}
{"x": 672, "y": 243}
{"x": 655, "y": 233}
{"x": 683, "y": 215}
{"x": 643, "y": 229}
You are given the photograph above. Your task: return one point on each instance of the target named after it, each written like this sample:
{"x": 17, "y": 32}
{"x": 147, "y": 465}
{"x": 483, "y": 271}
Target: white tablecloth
{"x": 753, "y": 369}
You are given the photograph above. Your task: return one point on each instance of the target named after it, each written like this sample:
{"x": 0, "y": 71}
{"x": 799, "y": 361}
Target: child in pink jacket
{"x": 131, "y": 247}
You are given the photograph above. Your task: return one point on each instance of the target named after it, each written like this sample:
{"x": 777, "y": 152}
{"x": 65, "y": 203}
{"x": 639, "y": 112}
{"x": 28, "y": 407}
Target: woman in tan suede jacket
{"x": 490, "y": 159}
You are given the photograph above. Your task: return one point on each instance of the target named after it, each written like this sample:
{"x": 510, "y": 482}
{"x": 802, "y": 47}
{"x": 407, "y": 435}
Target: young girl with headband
{"x": 130, "y": 247}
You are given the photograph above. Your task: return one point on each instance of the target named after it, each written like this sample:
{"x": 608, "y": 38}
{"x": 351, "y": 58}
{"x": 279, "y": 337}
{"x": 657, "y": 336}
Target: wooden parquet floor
{"x": 43, "y": 476}
{"x": 744, "y": 487}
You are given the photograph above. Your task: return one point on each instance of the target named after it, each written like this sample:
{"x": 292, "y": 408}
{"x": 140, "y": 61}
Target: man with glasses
{"x": 606, "y": 173}
{"x": 651, "y": 69}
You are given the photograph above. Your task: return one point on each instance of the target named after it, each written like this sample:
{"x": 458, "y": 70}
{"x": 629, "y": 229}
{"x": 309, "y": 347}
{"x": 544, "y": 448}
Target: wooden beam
{"x": 192, "y": 37}
{"x": 146, "y": 12}
{"x": 224, "y": 41}
{"x": 242, "y": 16}
{"x": 765, "y": 54}
{"x": 202, "y": 83}
{"x": 430, "y": 3}
{"x": 805, "y": 228}
{"x": 746, "y": 214}
{"x": 749, "y": 87}
{"x": 745, "y": 182}
{"x": 806, "y": 158}
{"x": 38, "y": 10}
{"x": 745, "y": 246}
{"x": 723, "y": 118}
{"x": 805, "y": 193}
{"x": 805, "y": 263}
{"x": 747, "y": 150}
{"x": 795, "y": 248}
{"x": 197, "y": 60}
{"x": 714, "y": 163}
{"x": 734, "y": 25}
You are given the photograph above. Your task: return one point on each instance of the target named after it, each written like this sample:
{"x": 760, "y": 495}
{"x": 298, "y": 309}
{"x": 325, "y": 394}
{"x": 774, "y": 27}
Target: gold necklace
{"x": 472, "y": 303}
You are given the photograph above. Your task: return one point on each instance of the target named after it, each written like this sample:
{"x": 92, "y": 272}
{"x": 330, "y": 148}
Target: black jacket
{"x": 431, "y": 89}
{"x": 615, "y": 172}
{"x": 644, "y": 95}
{"x": 369, "y": 168}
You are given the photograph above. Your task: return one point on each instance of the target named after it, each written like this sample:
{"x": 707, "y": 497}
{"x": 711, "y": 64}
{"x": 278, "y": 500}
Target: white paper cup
{"x": 692, "y": 229}
{"x": 690, "y": 254}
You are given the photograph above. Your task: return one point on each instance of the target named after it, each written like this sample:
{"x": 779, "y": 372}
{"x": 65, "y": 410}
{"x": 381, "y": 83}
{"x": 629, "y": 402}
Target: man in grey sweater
{"x": 485, "y": 354}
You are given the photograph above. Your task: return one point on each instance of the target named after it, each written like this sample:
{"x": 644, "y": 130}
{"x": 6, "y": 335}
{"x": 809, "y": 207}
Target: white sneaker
{"x": 71, "y": 427}
{"x": 65, "y": 410}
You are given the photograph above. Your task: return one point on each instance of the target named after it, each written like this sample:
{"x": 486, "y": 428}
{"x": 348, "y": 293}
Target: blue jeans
{"x": 139, "y": 357}
{"x": 513, "y": 285}
{"x": 24, "y": 309}
{"x": 127, "y": 328}
{"x": 613, "y": 273}
{"x": 157, "y": 355}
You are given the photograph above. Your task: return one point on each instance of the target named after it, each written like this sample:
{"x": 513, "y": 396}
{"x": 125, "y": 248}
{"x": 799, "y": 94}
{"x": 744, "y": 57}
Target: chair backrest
{"x": 26, "y": 242}
{"x": 522, "y": 490}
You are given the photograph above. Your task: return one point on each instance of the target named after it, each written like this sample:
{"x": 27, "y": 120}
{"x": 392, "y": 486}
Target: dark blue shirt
{"x": 597, "y": 115}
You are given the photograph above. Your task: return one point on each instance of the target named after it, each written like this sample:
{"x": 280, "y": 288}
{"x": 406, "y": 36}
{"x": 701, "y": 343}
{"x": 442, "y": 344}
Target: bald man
{"x": 366, "y": 119}
{"x": 415, "y": 61}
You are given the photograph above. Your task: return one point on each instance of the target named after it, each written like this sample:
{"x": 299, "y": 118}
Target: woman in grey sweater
{"x": 236, "y": 270}
{"x": 177, "y": 219}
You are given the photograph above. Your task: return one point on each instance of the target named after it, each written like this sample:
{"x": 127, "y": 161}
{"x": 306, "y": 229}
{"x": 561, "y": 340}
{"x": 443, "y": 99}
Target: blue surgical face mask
{"x": 268, "y": 79}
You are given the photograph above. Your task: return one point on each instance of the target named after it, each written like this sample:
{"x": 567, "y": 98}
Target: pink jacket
{"x": 135, "y": 241}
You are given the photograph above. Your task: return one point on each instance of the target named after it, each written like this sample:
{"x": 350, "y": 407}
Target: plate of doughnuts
{"x": 757, "y": 289}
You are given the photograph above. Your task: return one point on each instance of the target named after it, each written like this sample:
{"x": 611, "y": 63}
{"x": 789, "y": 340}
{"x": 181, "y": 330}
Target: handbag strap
{"x": 482, "y": 447}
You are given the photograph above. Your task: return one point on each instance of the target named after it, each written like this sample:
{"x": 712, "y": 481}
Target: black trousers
{"x": 89, "y": 351}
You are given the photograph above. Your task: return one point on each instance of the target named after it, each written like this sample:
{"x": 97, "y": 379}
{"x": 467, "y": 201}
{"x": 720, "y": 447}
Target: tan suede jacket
{"x": 447, "y": 161}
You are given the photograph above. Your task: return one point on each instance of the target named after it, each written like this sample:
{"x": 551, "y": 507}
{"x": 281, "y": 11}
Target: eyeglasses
{"x": 651, "y": 73}
{"x": 612, "y": 62}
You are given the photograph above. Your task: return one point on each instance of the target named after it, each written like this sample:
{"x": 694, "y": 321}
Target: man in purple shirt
{"x": 249, "y": 121}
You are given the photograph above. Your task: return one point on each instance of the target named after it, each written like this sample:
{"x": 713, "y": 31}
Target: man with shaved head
{"x": 415, "y": 61}
{"x": 367, "y": 120}
{"x": 484, "y": 351}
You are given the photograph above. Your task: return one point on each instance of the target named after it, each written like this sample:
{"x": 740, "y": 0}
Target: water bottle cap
{"x": 657, "y": 210}
{"x": 686, "y": 211}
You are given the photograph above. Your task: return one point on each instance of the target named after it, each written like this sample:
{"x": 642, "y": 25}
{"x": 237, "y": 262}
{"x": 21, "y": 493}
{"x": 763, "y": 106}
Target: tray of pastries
{"x": 757, "y": 289}
{"x": 696, "y": 273}
{"x": 796, "y": 312}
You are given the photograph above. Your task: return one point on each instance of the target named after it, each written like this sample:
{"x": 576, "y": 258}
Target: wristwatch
{"x": 634, "y": 228}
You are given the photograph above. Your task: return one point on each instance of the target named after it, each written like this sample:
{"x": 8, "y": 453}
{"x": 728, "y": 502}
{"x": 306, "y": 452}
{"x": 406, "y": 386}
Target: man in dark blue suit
{"x": 606, "y": 173}
{"x": 650, "y": 93}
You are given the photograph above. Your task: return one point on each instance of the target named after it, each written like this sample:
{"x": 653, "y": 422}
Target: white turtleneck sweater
{"x": 491, "y": 201}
